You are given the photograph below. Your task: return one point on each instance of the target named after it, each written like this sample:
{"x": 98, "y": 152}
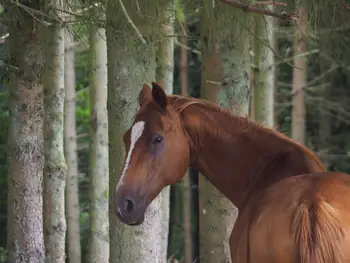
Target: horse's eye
{"x": 157, "y": 139}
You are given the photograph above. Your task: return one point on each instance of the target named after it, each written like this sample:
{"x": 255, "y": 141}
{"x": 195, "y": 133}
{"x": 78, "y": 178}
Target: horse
{"x": 291, "y": 210}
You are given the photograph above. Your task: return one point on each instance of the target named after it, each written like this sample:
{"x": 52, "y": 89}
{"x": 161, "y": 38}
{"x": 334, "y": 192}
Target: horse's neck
{"x": 239, "y": 158}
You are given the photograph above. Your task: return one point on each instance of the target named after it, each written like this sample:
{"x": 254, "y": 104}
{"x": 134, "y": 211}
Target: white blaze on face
{"x": 136, "y": 133}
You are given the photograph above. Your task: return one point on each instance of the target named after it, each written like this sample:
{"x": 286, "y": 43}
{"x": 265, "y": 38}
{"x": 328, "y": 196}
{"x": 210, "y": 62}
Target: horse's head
{"x": 157, "y": 155}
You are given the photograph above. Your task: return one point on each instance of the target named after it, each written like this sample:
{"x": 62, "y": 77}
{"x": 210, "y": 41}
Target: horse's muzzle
{"x": 129, "y": 209}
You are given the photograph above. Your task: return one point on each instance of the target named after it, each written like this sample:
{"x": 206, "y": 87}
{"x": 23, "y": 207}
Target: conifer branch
{"x": 130, "y": 21}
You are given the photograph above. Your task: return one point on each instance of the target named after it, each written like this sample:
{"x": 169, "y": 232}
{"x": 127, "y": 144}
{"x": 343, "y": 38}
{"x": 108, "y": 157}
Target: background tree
{"x": 131, "y": 62}
{"x": 55, "y": 169}
{"x": 186, "y": 179}
{"x": 263, "y": 69}
{"x": 299, "y": 75}
{"x": 164, "y": 76}
{"x": 327, "y": 58}
{"x": 225, "y": 80}
{"x": 25, "y": 142}
{"x": 99, "y": 170}
{"x": 71, "y": 154}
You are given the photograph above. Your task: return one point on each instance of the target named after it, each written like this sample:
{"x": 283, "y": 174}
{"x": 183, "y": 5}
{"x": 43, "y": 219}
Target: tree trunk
{"x": 72, "y": 190}
{"x": 99, "y": 176}
{"x": 165, "y": 52}
{"x": 275, "y": 26}
{"x": 25, "y": 141}
{"x": 164, "y": 76}
{"x": 131, "y": 62}
{"x": 299, "y": 77}
{"x": 175, "y": 243}
{"x": 225, "y": 80}
{"x": 186, "y": 179}
{"x": 55, "y": 165}
{"x": 264, "y": 73}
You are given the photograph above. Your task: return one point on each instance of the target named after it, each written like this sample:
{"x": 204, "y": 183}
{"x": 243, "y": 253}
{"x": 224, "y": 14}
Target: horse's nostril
{"x": 129, "y": 205}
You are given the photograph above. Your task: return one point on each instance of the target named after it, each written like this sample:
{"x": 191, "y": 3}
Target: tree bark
{"x": 131, "y": 62}
{"x": 264, "y": 73}
{"x": 72, "y": 190}
{"x": 275, "y": 26}
{"x": 55, "y": 168}
{"x": 299, "y": 77}
{"x": 165, "y": 52}
{"x": 225, "y": 80}
{"x": 186, "y": 179}
{"x": 25, "y": 141}
{"x": 164, "y": 76}
{"x": 99, "y": 170}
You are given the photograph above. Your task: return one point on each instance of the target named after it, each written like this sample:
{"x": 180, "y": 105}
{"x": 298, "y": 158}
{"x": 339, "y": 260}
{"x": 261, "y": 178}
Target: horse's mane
{"x": 180, "y": 103}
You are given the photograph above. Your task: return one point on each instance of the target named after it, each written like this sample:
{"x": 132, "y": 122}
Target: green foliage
{"x": 82, "y": 109}
{"x": 180, "y": 14}
{"x": 3, "y": 255}
{"x": 83, "y": 123}
{"x": 84, "y": 230}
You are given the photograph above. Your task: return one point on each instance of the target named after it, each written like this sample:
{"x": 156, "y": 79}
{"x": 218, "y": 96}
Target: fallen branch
{"x": 263, "y": 11}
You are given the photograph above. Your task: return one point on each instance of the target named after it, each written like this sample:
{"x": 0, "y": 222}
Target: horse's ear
{"x": 159, "y": 95}
{"x": 145, "y": 94}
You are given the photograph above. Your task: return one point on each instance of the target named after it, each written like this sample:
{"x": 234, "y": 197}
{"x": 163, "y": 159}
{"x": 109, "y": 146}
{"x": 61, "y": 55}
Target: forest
{"x": 71, "y": 72}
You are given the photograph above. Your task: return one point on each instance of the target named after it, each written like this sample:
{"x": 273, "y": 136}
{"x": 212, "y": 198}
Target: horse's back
{"x": 302, "y": 219}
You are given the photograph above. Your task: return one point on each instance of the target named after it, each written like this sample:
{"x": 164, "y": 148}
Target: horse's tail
{"x": 317, "y": 233}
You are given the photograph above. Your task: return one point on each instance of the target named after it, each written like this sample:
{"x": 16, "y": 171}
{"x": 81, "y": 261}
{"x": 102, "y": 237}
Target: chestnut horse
{"x": 290, "y": 209}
